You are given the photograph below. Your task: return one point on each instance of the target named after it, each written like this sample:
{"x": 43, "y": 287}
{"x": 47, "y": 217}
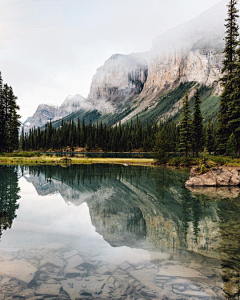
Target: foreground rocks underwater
{"x": 109, "y": 232}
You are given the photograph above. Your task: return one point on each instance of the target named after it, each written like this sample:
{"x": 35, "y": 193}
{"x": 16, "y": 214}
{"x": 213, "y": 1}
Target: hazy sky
{"x": 51, "y": 48}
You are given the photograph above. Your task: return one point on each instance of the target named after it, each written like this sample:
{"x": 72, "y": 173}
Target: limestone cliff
{"x": 121, "y": 78}
{"x": 69, "y": 105}
{"x": 191, "y": 52}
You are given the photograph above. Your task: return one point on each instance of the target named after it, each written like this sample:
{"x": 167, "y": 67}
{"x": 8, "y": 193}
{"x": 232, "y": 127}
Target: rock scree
{"x": 219, "y": 176}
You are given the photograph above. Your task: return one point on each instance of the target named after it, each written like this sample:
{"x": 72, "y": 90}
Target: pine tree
{"x": 162, "y": 144}
{"x": 232, "y": 146}
{"x": 228, "y": 80}
{"x": 197, "y": 125}
{"x": 234, "y": 103}
{"x": 2, "y": 113}
{"x": 209, "y": 137}
{"x": 14, "y": 123}
{"x": 22, "y": 140}
{"x": 185, "y": 127}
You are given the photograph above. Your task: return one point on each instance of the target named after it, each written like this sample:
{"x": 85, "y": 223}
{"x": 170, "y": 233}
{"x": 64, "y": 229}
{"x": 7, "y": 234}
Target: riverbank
{"x": 74, "y": 161}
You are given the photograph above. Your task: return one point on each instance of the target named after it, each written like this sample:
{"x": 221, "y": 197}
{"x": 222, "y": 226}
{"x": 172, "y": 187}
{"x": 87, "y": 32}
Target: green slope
{"x": 165, "y": 102}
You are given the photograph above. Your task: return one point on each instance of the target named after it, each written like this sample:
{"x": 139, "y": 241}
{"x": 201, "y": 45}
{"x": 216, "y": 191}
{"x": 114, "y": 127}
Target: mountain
{"x": 119, "y": 79}
{"x": 69, "y": 105}
{"x": 43, "y": 114}
{"x": 47, "y": 112}
{"x": 151, "y": 85}
{"x": 190, "y": 52}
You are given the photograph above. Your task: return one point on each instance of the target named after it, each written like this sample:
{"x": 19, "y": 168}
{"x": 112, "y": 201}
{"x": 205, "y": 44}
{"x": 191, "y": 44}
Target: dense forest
{"x": 160, "y": 138}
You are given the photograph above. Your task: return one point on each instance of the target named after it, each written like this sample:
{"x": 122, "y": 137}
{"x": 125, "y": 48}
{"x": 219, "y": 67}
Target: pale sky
{"x": 51, "y": 48}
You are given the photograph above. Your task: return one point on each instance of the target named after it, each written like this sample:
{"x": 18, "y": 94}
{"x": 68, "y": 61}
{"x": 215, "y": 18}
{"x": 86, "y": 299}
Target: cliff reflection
{"x": 151, "y": 209}
{"x": 9, "y": 194}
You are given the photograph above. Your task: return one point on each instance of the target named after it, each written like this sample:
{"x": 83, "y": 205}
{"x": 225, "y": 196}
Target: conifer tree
{"x": 197, "y": 125}
{"x": 2, "y": 113}
{"x": 232, "y": 146}
{"x": 228, "y": 81}
{"x": 161, "y": 145}
{"x": 234, "y": 103}
{"x": 209, "y": 137}
{"x": 185, "y": 127}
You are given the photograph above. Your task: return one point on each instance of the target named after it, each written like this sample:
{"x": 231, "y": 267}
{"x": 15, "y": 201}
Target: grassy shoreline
{"x": 35, "y": 158}
{"x": 74, "y": 161}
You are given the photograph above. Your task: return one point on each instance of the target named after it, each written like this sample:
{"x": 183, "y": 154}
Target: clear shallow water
{"x": 111, "y": 232}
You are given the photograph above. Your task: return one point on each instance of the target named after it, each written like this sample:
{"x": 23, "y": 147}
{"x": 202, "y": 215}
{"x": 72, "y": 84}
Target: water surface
{"x": 114, "y": 232}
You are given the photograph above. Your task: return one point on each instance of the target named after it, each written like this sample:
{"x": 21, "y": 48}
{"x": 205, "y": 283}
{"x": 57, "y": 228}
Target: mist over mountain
{"x": 142, "y": 84}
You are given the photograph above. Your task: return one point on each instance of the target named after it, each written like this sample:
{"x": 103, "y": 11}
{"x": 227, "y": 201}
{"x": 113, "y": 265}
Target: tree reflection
{"x": 9, "y": 194}
{"x": 229, "y": 246}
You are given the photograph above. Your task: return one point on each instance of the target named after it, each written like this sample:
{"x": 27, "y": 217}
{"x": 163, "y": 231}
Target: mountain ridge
{"x": 128, "y": 85}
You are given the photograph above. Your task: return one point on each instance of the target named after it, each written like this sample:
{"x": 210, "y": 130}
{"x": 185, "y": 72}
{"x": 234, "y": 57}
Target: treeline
{"x": 159, "y": 138}
{"x": 9, "y": 123}
{"x": 91, "y": 137}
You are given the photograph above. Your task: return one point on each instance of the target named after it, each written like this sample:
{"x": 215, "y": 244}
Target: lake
{"x": 114, "y": 232}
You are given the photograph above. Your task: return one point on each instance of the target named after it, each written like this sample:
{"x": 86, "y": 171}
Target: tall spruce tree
{"x": 228, "y": 80}
{"x": 197, "y": 125}
{"x": 185, "y": 127}
{"x": 234, "y": 103}
{"x": 209, "y": 137}
{"x": 2, "y": 113}
{"x": 9, "y": 123}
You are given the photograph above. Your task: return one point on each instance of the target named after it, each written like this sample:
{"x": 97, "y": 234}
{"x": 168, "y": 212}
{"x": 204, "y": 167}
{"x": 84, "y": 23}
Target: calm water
{"x": 113, "y": 232}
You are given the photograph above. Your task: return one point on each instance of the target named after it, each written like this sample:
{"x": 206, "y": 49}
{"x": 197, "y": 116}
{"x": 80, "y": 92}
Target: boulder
{"x": 219, "y": 176}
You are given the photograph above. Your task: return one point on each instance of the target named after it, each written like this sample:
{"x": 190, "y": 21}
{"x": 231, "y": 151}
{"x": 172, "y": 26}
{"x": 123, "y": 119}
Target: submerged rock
{"x": 215, "y": 177}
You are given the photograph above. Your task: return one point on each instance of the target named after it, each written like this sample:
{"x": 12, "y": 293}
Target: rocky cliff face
{"x": 121, "y": 78}
{"x": 46, "y": 112}
{"x": 43, "y": 114}
{"x": 189, "y": 52}
{"x": 70, "y": 104}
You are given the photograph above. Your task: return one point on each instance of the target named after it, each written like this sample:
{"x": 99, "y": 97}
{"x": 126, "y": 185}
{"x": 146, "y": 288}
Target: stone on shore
{"x": 219, "y": 176}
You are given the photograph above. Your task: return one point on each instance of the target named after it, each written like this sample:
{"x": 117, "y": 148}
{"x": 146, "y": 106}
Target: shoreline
{"x": 37, "y": 159}
{"x": 43, "y": 160}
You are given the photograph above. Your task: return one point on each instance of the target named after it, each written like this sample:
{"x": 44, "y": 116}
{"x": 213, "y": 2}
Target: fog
{"x": 52, "y": 48}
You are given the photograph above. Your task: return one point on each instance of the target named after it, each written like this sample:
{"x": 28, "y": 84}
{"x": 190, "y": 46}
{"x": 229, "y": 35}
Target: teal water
{"x": 114, "y": 232}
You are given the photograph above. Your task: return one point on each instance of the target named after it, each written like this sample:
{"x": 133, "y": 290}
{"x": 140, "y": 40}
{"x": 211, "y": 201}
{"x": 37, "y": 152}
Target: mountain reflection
{"x": 146, "y": 208}
{"x": 9, "y": 194}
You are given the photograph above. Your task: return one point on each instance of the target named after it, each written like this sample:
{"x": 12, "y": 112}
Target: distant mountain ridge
{"x": 151, "y": 85}
{"x": 47, "y": 112}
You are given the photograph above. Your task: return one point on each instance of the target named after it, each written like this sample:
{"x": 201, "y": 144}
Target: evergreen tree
{"x": 14, "y": 123}
{"x": 185, "y": 127}
{"x": 161, "y": 145}
{"x": 209, "y": 137}
{"x": 232, "y": 146}
{"x": 2, "y": 113}
{"x": 22, "y": 140}
{"x": 228, "y": 79}
{"x": 197, "y": 126}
